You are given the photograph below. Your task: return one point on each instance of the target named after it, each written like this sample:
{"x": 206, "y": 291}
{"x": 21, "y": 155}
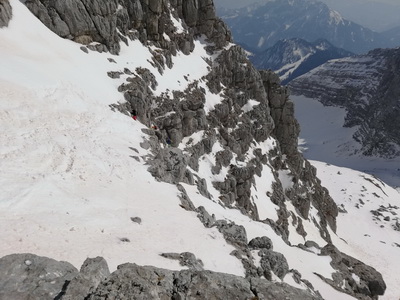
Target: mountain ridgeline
{"x": 169, "y": 28}
{"x": 260, "y": 26}
{"x": 294, "y": 57}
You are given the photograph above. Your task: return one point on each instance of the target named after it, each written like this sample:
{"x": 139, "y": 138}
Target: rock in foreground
{"x": 27, "y": 276}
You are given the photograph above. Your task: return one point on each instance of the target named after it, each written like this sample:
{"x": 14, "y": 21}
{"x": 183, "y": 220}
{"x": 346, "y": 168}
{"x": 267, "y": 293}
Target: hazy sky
{"x": 378, "y": 15}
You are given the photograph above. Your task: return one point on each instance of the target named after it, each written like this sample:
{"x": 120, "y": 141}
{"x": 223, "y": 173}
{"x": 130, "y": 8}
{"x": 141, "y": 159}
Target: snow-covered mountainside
{"x": 374, "y": 14}
{"x": 260, "y": 26}
{"x": 393, "y": 34}
{"x": 146, "y": 137}
{"x": 294, "y": 57}
{"x": 368, "y": 87}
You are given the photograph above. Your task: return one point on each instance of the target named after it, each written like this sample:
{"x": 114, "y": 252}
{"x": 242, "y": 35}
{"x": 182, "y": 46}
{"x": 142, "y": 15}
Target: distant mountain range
{"x": 368, "y": 86}
{"x": 292, "y": 58}
{"x": 260, "y": 26}
{"x": 393, "y": 35}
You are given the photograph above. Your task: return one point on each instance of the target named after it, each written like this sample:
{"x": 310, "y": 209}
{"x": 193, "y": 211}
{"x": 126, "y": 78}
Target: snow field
{"x": 359, "y": 234}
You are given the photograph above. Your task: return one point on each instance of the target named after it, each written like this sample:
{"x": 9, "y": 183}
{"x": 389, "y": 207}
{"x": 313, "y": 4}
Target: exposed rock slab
{"x": 27, "y": 276}
{"x": 5, "y": 13}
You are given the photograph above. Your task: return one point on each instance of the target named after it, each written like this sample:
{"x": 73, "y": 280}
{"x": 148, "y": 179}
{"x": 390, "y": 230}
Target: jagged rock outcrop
{"x": 303, "y": 174}
{"x": 108, "y": 22}
{"x": 368, "y": 87}
{"x": 27, "y": 276}
{"x": 83, "y": 21}
{"x": 275, "y": 262}
{"x": 291, "y": 58}
{"x": 353, "y": 276}
{"x": 5, "y": 13}
{"x": 92, "y": 272}
{"x": 261, "y": 243}
{"x": 186, "y": 259}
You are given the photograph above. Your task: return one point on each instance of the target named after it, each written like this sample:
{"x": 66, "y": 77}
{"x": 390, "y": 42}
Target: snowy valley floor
{"x": 325, "y": 139}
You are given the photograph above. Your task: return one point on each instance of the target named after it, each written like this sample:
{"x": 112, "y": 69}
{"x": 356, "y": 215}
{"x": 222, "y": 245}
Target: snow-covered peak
{"x": 335, "y": 17}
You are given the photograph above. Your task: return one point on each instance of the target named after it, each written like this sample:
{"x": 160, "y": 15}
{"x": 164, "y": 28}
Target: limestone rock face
{"x": 27, "y": 276}
{"x": 135, "y": 282}
{"x": 92, "y": 272}
{"x": 5, "y": 13}
{"x": 261, "y": 243}
{"x": 104, "y": 21}
{"x": 83, "y": 21}
{"x": 304, "y": 175}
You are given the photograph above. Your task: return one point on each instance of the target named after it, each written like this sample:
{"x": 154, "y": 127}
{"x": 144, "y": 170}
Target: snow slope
{"x": 69, "y": 182}
{"x": 73, "y": 173}
{"x": 370, "y": 212}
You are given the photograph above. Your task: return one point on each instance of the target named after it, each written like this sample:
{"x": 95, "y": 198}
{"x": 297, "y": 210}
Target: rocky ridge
{"x": 107, "y": 23}
{"x": 259, "y": 26}
{"x": 292, "y": 58}
{"x": 367, "y": 86}
{"x": 177, "y": 115}
{"x": 44, "y": 278}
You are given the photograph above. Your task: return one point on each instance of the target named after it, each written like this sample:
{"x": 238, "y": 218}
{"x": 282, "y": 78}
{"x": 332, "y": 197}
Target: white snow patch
{"x": 249, "y": 106}
{"x": 261, "y": 42}
{"x": 260, "y": 191}
{"x": 286, "y": 179}
{"x": 178, "y": 25}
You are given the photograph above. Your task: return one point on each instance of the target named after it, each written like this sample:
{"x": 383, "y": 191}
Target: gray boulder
{"x": 234, "y": 234}
{"x": 31, "y": 277}
{"x": 169, "y": 165}
{"x": 92, "y": 272}
{"x": 371, "y": 283}
{"x": 5, "y": 13}
{"x": 261, "y": 243}
{"x": 275, "y": 262}
{"x": 187, "y": 259}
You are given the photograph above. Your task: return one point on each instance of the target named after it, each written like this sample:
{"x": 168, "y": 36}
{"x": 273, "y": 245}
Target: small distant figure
{"x": 134, "y": 115}
{"x": 168, "y": 141}
{"x": 154, "y": 127}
